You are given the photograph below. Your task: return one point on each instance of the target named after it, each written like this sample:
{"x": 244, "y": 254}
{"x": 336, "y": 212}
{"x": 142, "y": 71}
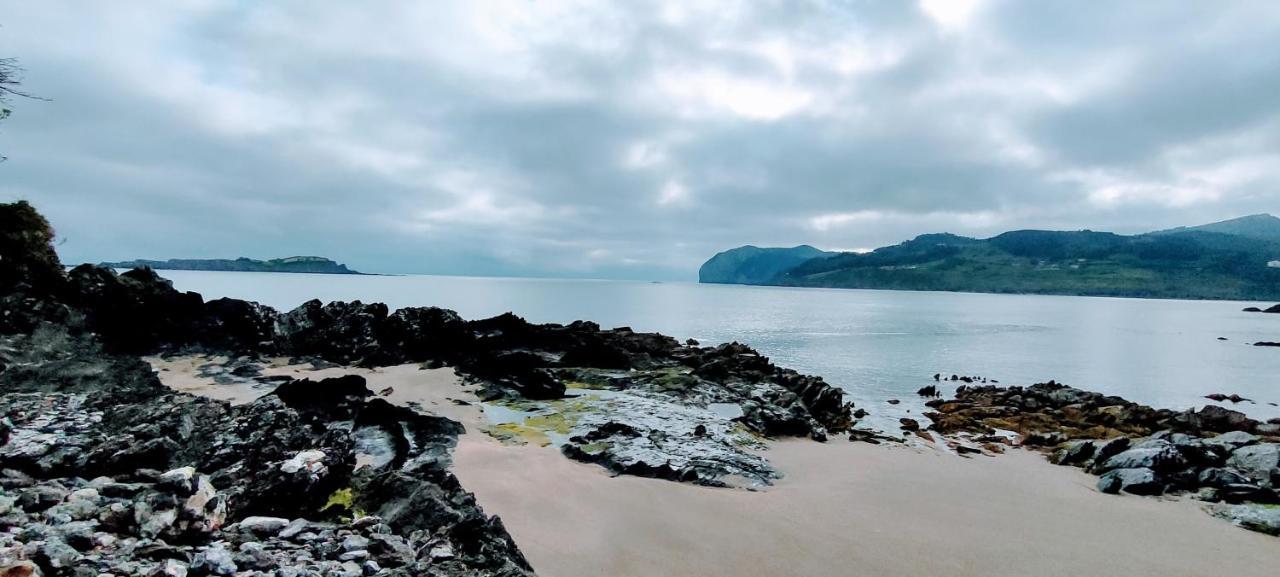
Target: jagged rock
{"x": 214, "y": 560}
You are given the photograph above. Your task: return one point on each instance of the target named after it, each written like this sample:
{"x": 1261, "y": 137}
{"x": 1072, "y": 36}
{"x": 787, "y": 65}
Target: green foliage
{"x": 754, "y": 265}
{"x": 1174, "y": 264}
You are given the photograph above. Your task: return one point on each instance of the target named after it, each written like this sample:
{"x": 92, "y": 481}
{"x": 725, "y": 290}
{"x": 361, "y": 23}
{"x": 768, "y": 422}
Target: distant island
{"x": 1234, "y": 259}
{"x": 307, "y": 264}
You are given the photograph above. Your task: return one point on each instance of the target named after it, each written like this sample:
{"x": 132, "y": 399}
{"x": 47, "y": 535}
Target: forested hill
{"x": 1185, "y": 263}
{"x": 308, "y": 264}
{"x": 754, "y": 265}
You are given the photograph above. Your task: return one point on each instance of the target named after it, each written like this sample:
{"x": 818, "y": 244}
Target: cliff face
{"x": 301, "y": 264}
{"x": 754, "y": 265}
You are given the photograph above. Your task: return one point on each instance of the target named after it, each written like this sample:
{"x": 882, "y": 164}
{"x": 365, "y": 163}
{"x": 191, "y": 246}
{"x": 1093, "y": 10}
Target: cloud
{"x": 632, "y": 140}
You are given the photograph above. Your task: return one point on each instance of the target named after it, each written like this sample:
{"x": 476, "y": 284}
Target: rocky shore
{"x": 104, "y": 470}
{"x": 1213, "y": 454}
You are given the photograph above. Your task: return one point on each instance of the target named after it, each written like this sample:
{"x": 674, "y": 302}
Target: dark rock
{"x": 1074, "y": 453}
{"x": 324, "y": 393}
{"x": 213, "y": 561}
{"x": 1260, "y": 462}
{"x": 1221, "y": 397}
{"x": 1136, "y": 481}
{"x": 1158, "y": 455}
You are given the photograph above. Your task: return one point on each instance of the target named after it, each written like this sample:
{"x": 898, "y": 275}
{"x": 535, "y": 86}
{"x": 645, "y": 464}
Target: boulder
{"x": 213, "y": 561}
{"x": 1157, "y": 455}
{"x": 1136, "y": 481}
{"x": 1232, "y": 440}
{"x": 1074, "y": 453}
{"x": 263, "y": 525}
{"x": 1260, "y": 462}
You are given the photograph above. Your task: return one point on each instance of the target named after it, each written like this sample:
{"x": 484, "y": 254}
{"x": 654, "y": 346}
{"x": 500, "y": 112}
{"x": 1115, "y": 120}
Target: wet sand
{"x": 842, "y": 509}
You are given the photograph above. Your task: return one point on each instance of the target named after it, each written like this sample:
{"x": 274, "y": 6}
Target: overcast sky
{"x": 626, "y": 139}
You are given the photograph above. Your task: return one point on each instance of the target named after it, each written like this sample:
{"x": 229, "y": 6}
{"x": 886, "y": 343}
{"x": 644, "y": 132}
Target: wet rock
{"x": 1221, "y": 398}
{"x": 1261, "y": 518}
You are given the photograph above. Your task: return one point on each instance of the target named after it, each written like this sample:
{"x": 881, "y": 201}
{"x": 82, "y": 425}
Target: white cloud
{"x": 951, "y": 15}
{"x": 673, "y": 193}
{"x": 500, "y": 137}
{"x": 717, "y": 93}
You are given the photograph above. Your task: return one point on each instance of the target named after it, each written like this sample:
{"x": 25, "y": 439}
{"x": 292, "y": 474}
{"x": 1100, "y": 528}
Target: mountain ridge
{"x": 753, "y": 265}
{"x": 292, "y": 264}
{"x": 1190, "y": 262}
{"x": 1262, "y": 226}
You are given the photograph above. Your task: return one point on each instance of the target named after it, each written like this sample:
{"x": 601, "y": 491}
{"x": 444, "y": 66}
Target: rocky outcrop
{"x": 138, "y": 312}
{"x": 319, "y": 477}
{"x": 292, "y": 454}
{"x": 1215, "y": 454}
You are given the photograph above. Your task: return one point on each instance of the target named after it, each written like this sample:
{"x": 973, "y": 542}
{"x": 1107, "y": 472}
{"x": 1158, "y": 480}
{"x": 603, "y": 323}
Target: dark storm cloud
{"x": 629, "y": 139}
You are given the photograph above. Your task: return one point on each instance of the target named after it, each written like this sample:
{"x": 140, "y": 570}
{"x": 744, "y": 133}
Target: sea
{"x": 878, "y": 346}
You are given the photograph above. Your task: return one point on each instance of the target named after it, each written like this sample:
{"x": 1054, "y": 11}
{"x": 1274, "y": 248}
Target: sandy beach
{"x": 842, "y": 509}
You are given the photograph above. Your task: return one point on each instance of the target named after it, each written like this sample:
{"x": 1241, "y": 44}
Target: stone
{"x": 1135, "y": 481}
{"x": 1158, "y": 455}
{"x": 1074, "y": 453}
{"x": 213, "y": 561}
{"x": 56, "y": 554}
{"x": 294, "y": 528}
{"x": 309, "y": 462}
{"x": 1232, "y": 440}
{"x": 180, "y": 481}
{"x": 170, "y": 568}
{"x": 20, "y": 569}
{"x": 354, "y": 542}
{"x": 263, "y": 525}
{"x": 1261, "y": 518}
{"x": 1260, "y": 462}
{"x": 1222, "y": 477}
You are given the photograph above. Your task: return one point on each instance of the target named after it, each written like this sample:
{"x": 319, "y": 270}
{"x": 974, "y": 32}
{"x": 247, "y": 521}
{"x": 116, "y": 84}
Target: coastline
{"x": 881, "y": 510}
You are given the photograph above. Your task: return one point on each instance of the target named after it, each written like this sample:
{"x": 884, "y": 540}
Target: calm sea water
{"x": 877, "y": 345}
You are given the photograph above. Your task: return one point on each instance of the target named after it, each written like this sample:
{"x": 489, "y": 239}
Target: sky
{"x": 628, "y": 139}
